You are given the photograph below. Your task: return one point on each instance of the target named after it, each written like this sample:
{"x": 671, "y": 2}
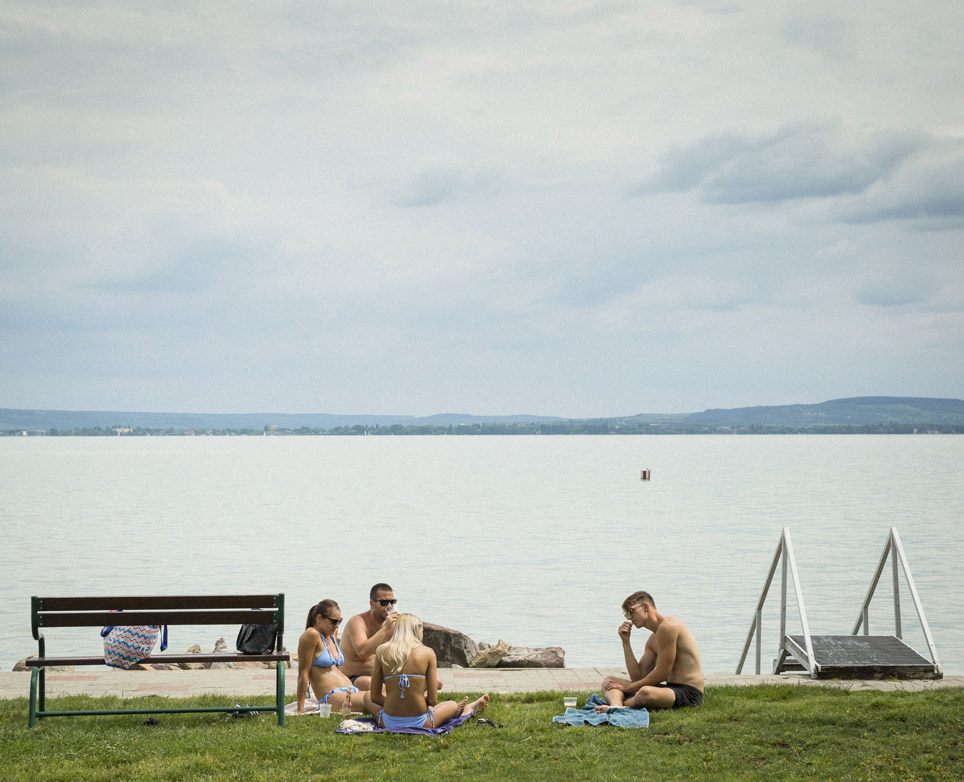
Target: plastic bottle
{"x": 346, "y": 706}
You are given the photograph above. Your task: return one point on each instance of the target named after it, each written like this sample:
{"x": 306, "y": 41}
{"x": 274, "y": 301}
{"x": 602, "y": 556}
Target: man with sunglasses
{"x": 364, "y": 633}
{"x": 668, "y": 675}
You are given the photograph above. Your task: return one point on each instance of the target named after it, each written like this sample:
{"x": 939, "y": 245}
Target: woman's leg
{"x": 449, "y": 710}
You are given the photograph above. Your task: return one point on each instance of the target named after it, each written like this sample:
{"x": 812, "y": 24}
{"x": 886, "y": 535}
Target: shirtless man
{"x": 668, "y": 675}
{"x": 365, "y": 632}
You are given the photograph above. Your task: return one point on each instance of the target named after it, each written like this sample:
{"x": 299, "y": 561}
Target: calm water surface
{"x": 536, "y": 540}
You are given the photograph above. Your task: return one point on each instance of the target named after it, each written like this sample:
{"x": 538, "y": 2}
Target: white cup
{"x": 324, "y": 709}
{"x": 569, "y": 702}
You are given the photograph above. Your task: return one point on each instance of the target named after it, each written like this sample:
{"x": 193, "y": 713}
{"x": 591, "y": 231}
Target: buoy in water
{"x": 644, "y": 475}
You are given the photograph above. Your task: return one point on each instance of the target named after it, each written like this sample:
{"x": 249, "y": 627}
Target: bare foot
{"x": 602, "y": 709}
{"x": 461, "y": 706}
{"x": 478, "y": 706}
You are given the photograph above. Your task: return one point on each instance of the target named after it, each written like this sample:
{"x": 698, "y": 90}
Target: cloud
{"x": 893, "y": 291}
{"x": 833, "y": 37}
{"x": 929, "y": 188}
{"x": 803, "y": 160}
{"x": 436, "y": 185}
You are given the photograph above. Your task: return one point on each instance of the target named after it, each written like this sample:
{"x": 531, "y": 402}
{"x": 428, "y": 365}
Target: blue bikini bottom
{"x": 389, "y": 722}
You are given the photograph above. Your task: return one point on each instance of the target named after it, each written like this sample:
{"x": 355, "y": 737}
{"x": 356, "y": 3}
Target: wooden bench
{"x": 173, "y": 610}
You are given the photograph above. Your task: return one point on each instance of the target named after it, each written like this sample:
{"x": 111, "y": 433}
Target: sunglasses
{"x": 629, "y": 614}
{"x": 387, "y": 602}
{"x": 335, "y": 622}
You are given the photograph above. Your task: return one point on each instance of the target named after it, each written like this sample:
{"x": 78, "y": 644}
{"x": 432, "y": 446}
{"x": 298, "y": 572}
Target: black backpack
{"x": 257, "y": 639}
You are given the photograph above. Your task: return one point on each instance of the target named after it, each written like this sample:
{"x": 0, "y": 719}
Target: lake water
{"x": 535, "y": 540}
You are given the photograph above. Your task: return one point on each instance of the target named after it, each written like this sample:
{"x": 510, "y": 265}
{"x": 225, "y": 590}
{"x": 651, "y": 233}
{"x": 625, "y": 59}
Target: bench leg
{"x": 280, "y": 693}
{"x": 42, "y": 697}
{"x": 32, "y": 714}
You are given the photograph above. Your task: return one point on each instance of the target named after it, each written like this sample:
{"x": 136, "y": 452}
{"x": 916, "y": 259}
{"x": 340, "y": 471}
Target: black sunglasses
{"x": 335, "y": 622}
{"x": 387, "y": 602}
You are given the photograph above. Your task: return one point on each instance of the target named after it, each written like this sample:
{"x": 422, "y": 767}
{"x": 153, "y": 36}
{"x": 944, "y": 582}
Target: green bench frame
{"x": 171, "y": 610}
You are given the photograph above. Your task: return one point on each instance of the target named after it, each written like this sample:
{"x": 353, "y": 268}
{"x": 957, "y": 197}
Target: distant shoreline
{"x": 483, "y": 430}
{"x": 858, "y": 415}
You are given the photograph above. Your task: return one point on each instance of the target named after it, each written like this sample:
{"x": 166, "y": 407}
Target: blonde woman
{"x": 319, "y": 657}
{"x": 404, "y": 692}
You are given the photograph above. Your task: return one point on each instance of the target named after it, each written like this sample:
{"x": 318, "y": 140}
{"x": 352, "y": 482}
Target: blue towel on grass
{"x": 621, "y": 717}
{"x": 447, "y": 727}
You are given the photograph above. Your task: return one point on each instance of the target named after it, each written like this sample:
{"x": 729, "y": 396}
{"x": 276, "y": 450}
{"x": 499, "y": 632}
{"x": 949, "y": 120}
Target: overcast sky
{"x": 563, "y": 208}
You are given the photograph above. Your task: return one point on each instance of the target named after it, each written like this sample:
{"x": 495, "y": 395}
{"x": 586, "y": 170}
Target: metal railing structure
{"x": 895, "y": 549}
{"x": 784, "y": 556}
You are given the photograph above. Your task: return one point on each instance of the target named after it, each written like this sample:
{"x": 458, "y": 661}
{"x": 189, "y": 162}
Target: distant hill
{"x": 856, "y": 411}
{"x": 867, "y": 411}
{"x": 78, "y": 419}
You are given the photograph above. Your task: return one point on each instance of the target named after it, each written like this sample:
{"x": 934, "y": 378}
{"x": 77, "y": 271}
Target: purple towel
{"x": 447, "y": 727}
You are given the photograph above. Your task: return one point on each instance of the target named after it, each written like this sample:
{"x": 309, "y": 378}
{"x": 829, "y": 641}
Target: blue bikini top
{"x": 326, "y": 659}
{"x": 403, "y": 682}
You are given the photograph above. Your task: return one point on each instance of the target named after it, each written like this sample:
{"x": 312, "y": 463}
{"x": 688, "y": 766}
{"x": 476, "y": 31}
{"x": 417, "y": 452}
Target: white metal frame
{"x": 895, "y": 549}
{"x": 783, "y": 555}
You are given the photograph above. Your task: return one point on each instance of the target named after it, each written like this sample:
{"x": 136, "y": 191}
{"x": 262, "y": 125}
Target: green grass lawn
{"x": 764, "y": 732}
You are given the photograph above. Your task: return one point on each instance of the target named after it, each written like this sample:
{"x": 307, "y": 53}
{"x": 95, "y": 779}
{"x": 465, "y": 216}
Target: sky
{"x": 576, "y": 209}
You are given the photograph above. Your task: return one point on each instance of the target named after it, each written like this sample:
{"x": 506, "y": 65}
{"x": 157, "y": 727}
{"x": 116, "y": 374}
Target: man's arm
{"x": 363, "y": 646}
{"x": 664, "y": 641}
{"x": 638, "y": 671}
{"x": 632, "y": 664}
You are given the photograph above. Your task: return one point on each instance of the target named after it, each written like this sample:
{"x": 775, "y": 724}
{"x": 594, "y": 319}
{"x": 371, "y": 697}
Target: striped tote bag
{"x": 127, "y": 645}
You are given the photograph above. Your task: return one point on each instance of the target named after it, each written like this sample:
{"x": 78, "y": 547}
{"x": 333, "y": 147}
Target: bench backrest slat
{"x": 154, "y": 602}
{"x": 100, "y": 618}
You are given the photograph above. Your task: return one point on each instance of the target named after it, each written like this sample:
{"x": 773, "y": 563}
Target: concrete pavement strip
{"x": 501, "y": 681}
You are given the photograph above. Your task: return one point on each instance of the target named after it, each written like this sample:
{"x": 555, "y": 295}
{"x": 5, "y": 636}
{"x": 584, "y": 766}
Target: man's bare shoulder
{"x": 356, "y": 619}
{"x": 356, "y": 631}
{"x": 673, "y": 629}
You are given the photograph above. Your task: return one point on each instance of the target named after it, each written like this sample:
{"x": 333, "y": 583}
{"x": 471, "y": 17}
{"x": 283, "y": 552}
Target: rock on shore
{"x": 453, "y": 648}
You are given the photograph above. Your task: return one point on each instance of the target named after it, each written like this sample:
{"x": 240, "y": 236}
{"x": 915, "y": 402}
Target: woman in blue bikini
{"x": 319, "y": 657}
{"x": 404, "y": 692}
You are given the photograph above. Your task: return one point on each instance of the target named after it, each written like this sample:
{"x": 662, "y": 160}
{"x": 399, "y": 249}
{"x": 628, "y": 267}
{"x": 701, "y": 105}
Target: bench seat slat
{"x": 47, "y": 618}
{"x": 38, "y": 662}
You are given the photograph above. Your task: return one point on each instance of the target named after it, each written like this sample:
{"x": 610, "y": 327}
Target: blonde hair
{"x": 395, "y": 653}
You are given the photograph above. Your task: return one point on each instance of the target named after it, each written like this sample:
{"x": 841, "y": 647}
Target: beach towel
{"x": 621, "y": 717}
{"x": 441, "y": 730}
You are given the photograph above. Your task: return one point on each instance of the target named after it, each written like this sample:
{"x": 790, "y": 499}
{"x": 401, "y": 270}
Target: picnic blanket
{"x": 351, "y": 729}
{"x": 621, "y": 717}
